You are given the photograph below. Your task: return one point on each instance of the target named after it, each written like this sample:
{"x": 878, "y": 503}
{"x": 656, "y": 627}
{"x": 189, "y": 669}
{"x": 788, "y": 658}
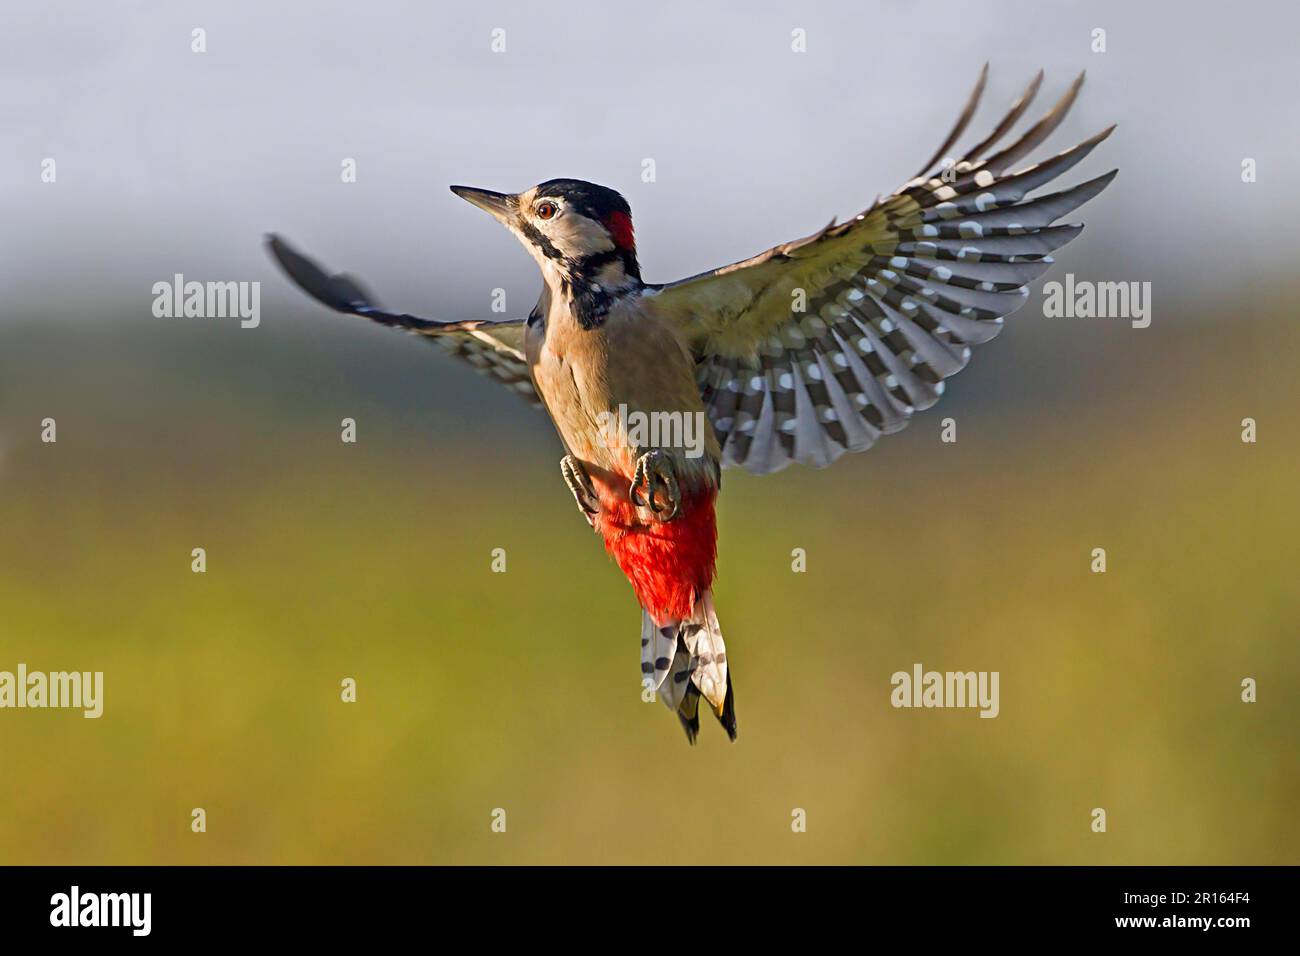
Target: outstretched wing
{"x": 819, "y": 346}
{"x": 494, "y": 347}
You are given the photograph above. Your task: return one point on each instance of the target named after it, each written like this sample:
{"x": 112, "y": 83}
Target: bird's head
{"x": 577, "y": 231}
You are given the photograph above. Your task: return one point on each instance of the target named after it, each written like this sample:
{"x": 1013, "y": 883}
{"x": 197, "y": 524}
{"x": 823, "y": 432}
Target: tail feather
{"x": 686, "y": 660}
{"x": 657, "y": 650}
{"x": 689, "y": 713}
{"x": 674, "y": 689}
{"x": 703, "y": 638}
{"x": 728, "y": 716}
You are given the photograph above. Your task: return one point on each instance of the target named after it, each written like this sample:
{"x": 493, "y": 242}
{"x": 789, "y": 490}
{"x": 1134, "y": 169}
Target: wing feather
{"x": 893, "y": 299}
{"x": 494, "y": 347}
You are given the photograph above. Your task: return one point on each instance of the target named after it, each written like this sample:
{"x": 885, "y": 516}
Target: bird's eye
{"x": 547, "y": 210}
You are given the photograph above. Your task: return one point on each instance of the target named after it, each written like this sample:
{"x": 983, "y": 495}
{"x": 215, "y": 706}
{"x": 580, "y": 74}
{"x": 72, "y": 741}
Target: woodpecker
{"x": 811, "y": 349}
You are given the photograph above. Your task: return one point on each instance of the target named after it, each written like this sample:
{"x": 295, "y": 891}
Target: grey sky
{"x": 169, "y": 161}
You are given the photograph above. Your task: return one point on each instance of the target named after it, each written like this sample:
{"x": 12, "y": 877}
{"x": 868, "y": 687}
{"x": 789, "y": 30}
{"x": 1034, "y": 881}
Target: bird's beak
{"x": 502, "y": 206}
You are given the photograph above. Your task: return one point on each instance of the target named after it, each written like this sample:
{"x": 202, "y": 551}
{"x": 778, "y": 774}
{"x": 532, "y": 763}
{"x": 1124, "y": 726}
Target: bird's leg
{"x": 654, "y": 473}
{"x": 575, "y": 476}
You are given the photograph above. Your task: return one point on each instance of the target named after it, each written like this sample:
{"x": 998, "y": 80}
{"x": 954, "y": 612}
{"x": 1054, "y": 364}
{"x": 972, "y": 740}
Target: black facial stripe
{"x": 541, "y": 241}
{"x": 590, "y": 265}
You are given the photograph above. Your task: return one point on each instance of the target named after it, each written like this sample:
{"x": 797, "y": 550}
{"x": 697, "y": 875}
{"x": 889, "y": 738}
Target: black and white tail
{"x": 686, "y": 660}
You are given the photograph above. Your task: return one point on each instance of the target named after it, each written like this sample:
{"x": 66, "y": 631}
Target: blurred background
{"x": 519, "y": 690}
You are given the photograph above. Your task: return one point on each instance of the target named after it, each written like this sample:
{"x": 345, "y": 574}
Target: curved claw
{"x": 669, "y": 481}
{"x": 575, "y": 476}
{"x": 654, "y": 472}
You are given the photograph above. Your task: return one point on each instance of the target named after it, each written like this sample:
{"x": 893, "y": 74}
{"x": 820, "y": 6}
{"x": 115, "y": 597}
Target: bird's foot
{"x": 576, "y": 477}
{"x": 652, "y": 479}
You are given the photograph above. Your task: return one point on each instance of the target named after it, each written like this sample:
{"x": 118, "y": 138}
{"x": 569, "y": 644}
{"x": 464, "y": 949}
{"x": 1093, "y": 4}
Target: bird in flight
{"x": 813, "y": 348}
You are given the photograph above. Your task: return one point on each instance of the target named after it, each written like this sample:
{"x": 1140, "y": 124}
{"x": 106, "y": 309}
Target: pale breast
{"x": 620, "y": 389}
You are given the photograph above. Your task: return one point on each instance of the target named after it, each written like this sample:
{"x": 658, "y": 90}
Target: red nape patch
{"x": 619, "y": 225}
{"x": 668, "y": 564}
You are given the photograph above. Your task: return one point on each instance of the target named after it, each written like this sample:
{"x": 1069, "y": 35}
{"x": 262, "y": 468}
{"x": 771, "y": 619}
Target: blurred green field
{"x": 519, "y": 690}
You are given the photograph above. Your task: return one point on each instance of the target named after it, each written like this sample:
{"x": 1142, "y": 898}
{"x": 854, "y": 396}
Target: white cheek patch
{"x": 576, "y": 236}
